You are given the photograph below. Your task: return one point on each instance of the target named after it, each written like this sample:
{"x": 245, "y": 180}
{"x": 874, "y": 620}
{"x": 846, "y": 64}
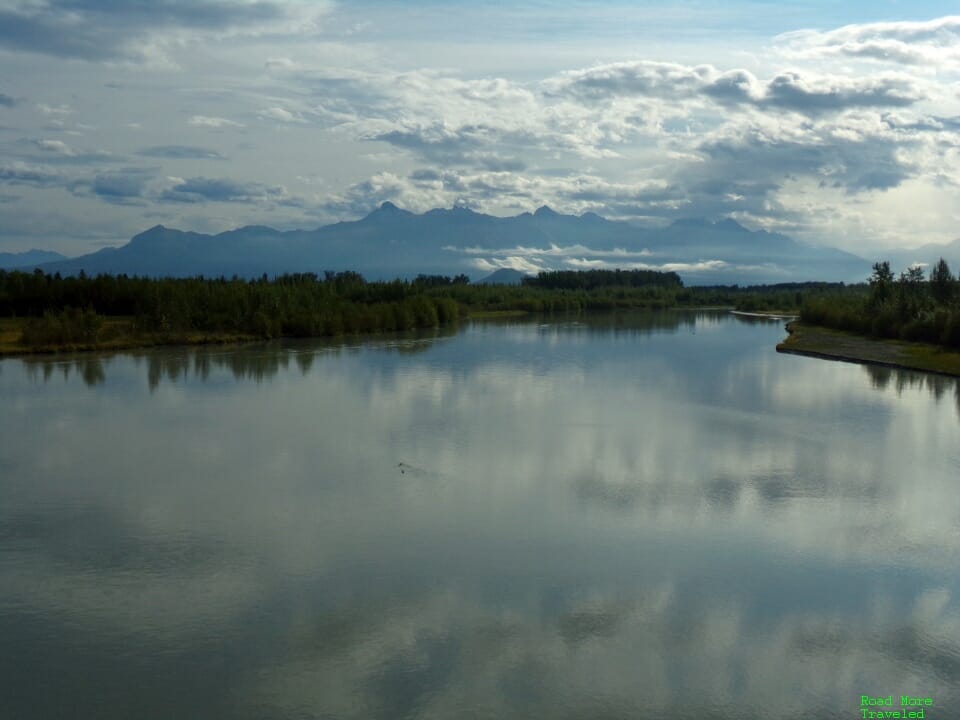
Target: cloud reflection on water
{"x": 597, "y": 522}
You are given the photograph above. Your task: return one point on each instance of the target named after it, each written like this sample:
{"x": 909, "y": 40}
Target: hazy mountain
{"x": 927, "y": 255}
{"x": 28, "y": 259}
{"x": 504, "y": 276}
{"x": 390, "y": 242}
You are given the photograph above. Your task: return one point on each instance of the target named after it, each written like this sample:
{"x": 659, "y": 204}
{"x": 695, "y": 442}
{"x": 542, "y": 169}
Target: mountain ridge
{"x": 391, "y": 242}
{"x": 29, "y": 258}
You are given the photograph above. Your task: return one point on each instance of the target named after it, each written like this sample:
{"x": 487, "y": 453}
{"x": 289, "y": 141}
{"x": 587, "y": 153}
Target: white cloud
{"x": 281, "y": 115}
{"x": 553, "y": 251}
{"x": 793, "y": 90}
{"x": 596, "y": 264}
{"x": 934, "y": 44}
{"x": 506, "y": 191}
{"x": 511, "y": 262}
{"x": 55, "y": 146}
{"x": 213, "y": 122}
{"x": 655, "y": 134}
{"x": 56, "y": 110}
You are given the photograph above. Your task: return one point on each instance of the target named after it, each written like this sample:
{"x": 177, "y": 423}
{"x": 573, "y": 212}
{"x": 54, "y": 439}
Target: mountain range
{"x": 391, "y": 242}
{"x": 28, "y": 259}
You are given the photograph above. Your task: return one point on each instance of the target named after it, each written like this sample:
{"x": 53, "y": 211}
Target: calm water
{"x": 657, "y": 517}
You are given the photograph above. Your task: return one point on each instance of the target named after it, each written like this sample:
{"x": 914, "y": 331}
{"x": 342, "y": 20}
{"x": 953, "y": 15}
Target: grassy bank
{"x": 115, "y": 333}
{"x": 816, "y": 341}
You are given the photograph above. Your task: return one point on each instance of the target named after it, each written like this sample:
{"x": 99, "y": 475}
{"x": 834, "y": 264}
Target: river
{"x": 632, "y": 516}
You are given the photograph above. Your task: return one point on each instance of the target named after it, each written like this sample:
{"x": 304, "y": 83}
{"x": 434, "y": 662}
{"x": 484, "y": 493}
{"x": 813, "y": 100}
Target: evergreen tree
{"x": 942, "y": 283}
{"x": 881, "y": 284}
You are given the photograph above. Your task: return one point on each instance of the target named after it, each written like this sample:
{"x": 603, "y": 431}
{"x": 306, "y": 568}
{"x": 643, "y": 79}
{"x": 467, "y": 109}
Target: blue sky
{"x": 837, "y": 123}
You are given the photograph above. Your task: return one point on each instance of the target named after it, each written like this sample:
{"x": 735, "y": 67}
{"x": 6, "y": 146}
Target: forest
{"x": 53, "y": 312}
{"x": 908, "y": 307}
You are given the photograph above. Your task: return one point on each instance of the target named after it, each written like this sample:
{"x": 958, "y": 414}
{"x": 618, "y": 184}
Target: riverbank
{"x": 829, "y": 344}
{"x": 767, "y": 314}
{"x": 115, "y": 334}
{"x": 120, "y": 333}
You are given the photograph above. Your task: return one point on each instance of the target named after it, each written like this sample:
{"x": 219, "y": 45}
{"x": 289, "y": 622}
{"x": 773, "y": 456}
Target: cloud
{"x": 510, "y": 262}
{"x": 55, "y": 146}
{"x": 537, "y": 262}
{"x": 444, "y": 119}
{"x": 933, "y": 43}
{"x": 736, "y": 163}
{"x": 695, "y": 267}
{"x": 143, "y": 186}
{"x": 280, "y": 64}
{"x": 57, "y": 110}
{"x": 577, "y": 257}
{"x": 201, "y": 189}
{"x": 96, "y": 30}
{"x": 6, "y": 101}
{"x": 57, "y": 152}
{"x": 20, "y": 173}
{"x": 857, "y": 153}
{"x": 180, "y": 152}
{"x": 213, "y": 122}
{"x": 127, "y": 186}
{"x": 437, "y": 141}
{"x": 119, "y": 186}
{"x": 642, "y": 139}
{"x": 281, "y": 115}
{"x": 488, "y": 191}
{"x": 553, "y": 251}
{"x": 792, "y": 90}
{"x": 638, "y": 78}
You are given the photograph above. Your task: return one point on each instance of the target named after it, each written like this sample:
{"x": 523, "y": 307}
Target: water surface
{"x": 643, "y": 516}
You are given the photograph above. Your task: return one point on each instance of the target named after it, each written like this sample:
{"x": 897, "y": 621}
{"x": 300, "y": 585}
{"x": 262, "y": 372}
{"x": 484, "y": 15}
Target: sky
{"x": 835, "y": 123}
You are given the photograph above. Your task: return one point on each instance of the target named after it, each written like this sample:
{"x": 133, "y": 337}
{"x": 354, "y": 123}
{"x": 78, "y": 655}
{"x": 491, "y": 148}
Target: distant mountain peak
{"x": 151, "y": 233}
{"x": 31, "y": 257}
{"x": 457, "y": 211}
{"x": 504, "y": 276}
{"x": 387, "y": 209}
{"x": 691, "y": 222}
{"x": 545, "y": 211}
{"x": 730, "y": 224}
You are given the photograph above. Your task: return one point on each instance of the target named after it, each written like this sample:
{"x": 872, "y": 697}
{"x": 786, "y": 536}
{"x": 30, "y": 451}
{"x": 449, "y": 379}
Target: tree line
{"x": 592, "y": 279}
{"x": 83, "y": 310}
{"x": 71, "y": 310}
{"x": 908, "y": 307}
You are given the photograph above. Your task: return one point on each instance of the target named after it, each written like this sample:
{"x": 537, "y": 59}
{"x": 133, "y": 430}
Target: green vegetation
{"x": 593, "y": 279}
{"x": 904, "y": 308}
{"x": 40, "y": 312}
{"x": 57, "y": 312}
{"x": 834, "y": 344}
